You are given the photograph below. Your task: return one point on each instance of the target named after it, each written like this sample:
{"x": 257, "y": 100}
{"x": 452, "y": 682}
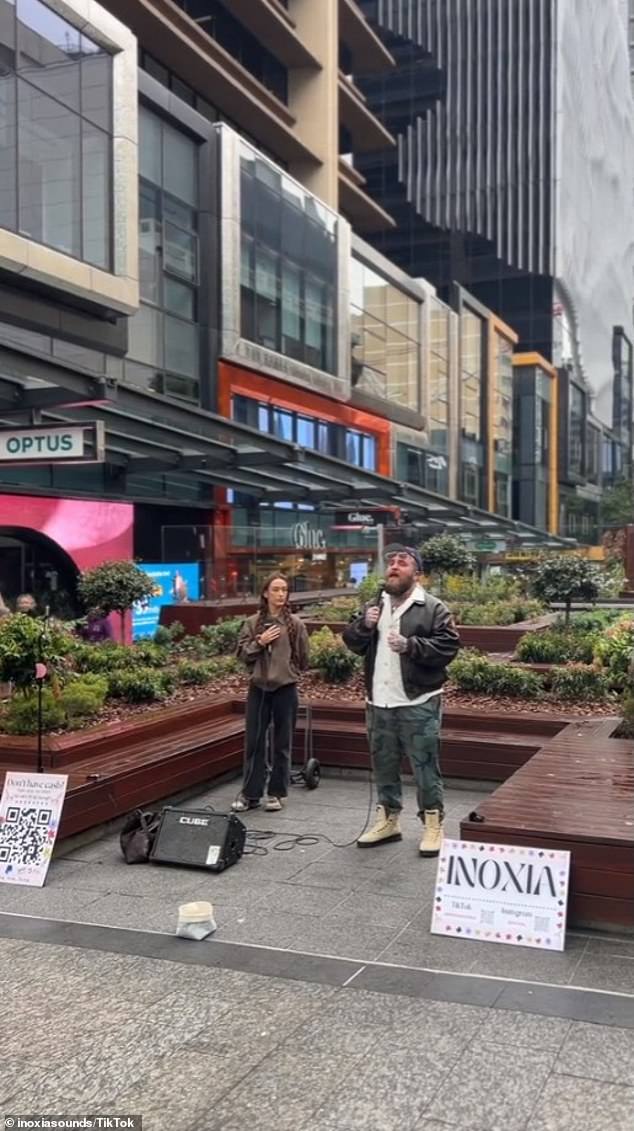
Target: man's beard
{"x": 396, "y": 586}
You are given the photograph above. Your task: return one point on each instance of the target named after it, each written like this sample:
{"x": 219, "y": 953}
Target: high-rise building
{"x": 514, "y": 168}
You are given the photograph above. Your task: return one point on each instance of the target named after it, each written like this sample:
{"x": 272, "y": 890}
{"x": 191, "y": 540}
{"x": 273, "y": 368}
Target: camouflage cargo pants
{"x": 395, "y": 733}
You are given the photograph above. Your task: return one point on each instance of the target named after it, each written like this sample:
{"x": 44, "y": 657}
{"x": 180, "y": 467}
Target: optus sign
{"x": 83, "y": 443}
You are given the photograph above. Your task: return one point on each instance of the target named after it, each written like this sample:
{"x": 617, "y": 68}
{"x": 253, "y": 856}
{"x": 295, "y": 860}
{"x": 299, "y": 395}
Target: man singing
{"x": 407, "y": 640}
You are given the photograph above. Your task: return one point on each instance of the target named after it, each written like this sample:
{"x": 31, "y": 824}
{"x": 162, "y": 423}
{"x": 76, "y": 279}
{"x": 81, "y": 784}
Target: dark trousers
{"x": 280, "y": 707}
{"x": 407, "y": 732}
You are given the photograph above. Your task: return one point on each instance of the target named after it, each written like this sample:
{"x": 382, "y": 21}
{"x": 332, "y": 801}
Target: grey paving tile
{"x": 181, "y": 1089}
{"x": 526, "y": 1029}
{"x": 387, "y": 1090}
{"x": 416, "y": 946}
{"x": 263, "y": 1017}
{"x": 360, "y": 1020}
{"x": 492, "y": 1087}
{"x": 293, "y": 899}
{"x": 330, "y": 876}
{"x": 528, "y": 964}
{"x": 283, "y": 1094}
{"x": 568, "y": 1104}
{"x": 598, "y": 1052}
{"x": 602, "y": 972}
{"x": 265, "y": 928}
{"x": 345, "y": 939}
{"x": 381, "y": 910}
{"x": 49, "y": 903}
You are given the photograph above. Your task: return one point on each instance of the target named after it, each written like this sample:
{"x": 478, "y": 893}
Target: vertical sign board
{"x": 502, "y": 893}
{"x": 173, "y": 585}
{"x": 30, "y": 811}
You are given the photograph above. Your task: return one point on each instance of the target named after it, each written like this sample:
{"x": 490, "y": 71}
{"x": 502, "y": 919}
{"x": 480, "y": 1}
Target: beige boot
{"x": 431, "y": 843}
{"x": 387, "y": 827}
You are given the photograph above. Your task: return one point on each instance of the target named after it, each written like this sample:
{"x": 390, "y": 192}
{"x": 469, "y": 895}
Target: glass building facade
{"x": 56, "y": 144}
{"x": 386, "y": 346}
{"x": 473, "y": 368}
{"x": 501, "y": 393}
{"x": 164, "y": 336}
{"x": 288, "y": 265}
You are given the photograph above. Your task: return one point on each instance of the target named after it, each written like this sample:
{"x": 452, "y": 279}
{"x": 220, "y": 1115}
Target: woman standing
{"x": 274, "y": 646}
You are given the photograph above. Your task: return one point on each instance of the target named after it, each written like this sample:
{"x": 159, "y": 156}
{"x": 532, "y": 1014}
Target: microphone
{"x": 268, "y": 624}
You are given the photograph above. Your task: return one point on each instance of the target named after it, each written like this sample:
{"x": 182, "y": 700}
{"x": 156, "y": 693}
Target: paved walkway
{"x": 322, "y": 1003}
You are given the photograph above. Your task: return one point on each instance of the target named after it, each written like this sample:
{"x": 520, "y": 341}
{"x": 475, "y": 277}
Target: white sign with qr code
{"x": 213, "y": 854}
{"x": 30, "y": 811}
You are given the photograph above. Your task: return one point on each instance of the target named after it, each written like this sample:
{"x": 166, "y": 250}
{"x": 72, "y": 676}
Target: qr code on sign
{"x": 24, "y": 835}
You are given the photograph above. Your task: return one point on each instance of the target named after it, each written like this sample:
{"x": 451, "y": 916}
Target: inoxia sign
{"x": 75, "y": 443}
{"x": 502, "y": 893}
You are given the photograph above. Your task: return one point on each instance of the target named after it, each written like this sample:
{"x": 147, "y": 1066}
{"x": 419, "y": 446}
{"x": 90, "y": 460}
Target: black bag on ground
{"x": 137, "y": 836}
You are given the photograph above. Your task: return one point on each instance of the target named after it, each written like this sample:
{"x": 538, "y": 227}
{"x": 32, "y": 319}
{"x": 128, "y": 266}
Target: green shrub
{"x": 104, "y": 658}
{"x": 333, "y": 612}
{"x": 587, "y": 622}
{"x": 222, "y": 638}
{"x": 166, "y": 637}
{"x": 499, "y": 588}
{"x": 20, "y": 715}
{"x": 196, "y": 673}
{"x": 614, "y": 650}
{"x": 114, "y": 587}
{"x": 329, "y": 655}
{"x": 556, "y": 646}
{"x": 140, "y": 685}
{"x": 579, "y": 683}
{"x": 82, "y": 698}
{"x": 147, "y": 654}
{"x": 472, "y": 671}
{"x": 24, "y": 641}
{"x": 499, "y": 613}
{"x": 626, "y": 729}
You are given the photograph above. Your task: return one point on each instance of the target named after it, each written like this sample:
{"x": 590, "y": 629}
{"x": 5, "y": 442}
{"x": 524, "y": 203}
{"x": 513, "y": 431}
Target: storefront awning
{"x": 147, "y": 435}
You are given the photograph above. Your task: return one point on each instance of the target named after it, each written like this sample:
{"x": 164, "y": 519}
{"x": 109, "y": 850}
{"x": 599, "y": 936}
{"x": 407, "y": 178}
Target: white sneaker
{"x": 274, "y": 804}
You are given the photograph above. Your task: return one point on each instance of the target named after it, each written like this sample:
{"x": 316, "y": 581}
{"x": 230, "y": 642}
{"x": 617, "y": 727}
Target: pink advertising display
{"x": 89, "y": 531}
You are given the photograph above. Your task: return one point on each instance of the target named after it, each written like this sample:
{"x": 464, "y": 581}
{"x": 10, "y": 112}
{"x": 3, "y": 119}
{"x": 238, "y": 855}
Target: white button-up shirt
{"x": 387, "y": 682}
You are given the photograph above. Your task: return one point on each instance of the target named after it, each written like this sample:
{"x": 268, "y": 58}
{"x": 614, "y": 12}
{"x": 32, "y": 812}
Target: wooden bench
{"x": 576, "y": 793}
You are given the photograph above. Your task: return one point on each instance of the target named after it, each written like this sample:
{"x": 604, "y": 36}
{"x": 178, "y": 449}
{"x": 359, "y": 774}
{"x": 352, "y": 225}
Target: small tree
{"x": 562, "y": 580}
{"x": 445, "y": 553}
{"x": 114, "y": 587}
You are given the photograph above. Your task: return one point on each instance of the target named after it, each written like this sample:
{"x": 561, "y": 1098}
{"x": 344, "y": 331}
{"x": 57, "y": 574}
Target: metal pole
{"x": 380, "y": 545}
{"x": 40, "y": 767}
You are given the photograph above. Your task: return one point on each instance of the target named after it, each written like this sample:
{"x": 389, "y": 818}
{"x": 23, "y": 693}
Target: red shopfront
{"x": 250, "y": 543}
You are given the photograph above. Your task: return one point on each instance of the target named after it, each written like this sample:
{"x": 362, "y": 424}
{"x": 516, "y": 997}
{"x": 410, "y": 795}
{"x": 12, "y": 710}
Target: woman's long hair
{"x": 285, "y": 614}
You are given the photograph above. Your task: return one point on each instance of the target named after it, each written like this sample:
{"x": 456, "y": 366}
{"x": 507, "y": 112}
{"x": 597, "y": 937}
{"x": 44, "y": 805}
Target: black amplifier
{"x": 198, "y": 838}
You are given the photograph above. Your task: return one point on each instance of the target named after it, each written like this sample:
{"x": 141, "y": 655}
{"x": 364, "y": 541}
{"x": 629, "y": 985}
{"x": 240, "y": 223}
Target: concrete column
{"x": 313, "y": 96}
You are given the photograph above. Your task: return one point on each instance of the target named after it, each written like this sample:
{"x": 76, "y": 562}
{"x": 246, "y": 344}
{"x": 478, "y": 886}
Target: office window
{"x": 503, "y": 423}
{"x": 288, "y": 265}
{"x": 593, "y": 456}
{"x": 576, "y": 429}
{"x": 385, "y": 338}
{"x": 423, "y": 468}
{"x": 472, "y": 371}
{"x": 360, "y": 449}
{"x": 214, "y": 17}
{"x": 163, "y": 349}
{"x": 438, "y": 375}
{"x": 55, "y": 133}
